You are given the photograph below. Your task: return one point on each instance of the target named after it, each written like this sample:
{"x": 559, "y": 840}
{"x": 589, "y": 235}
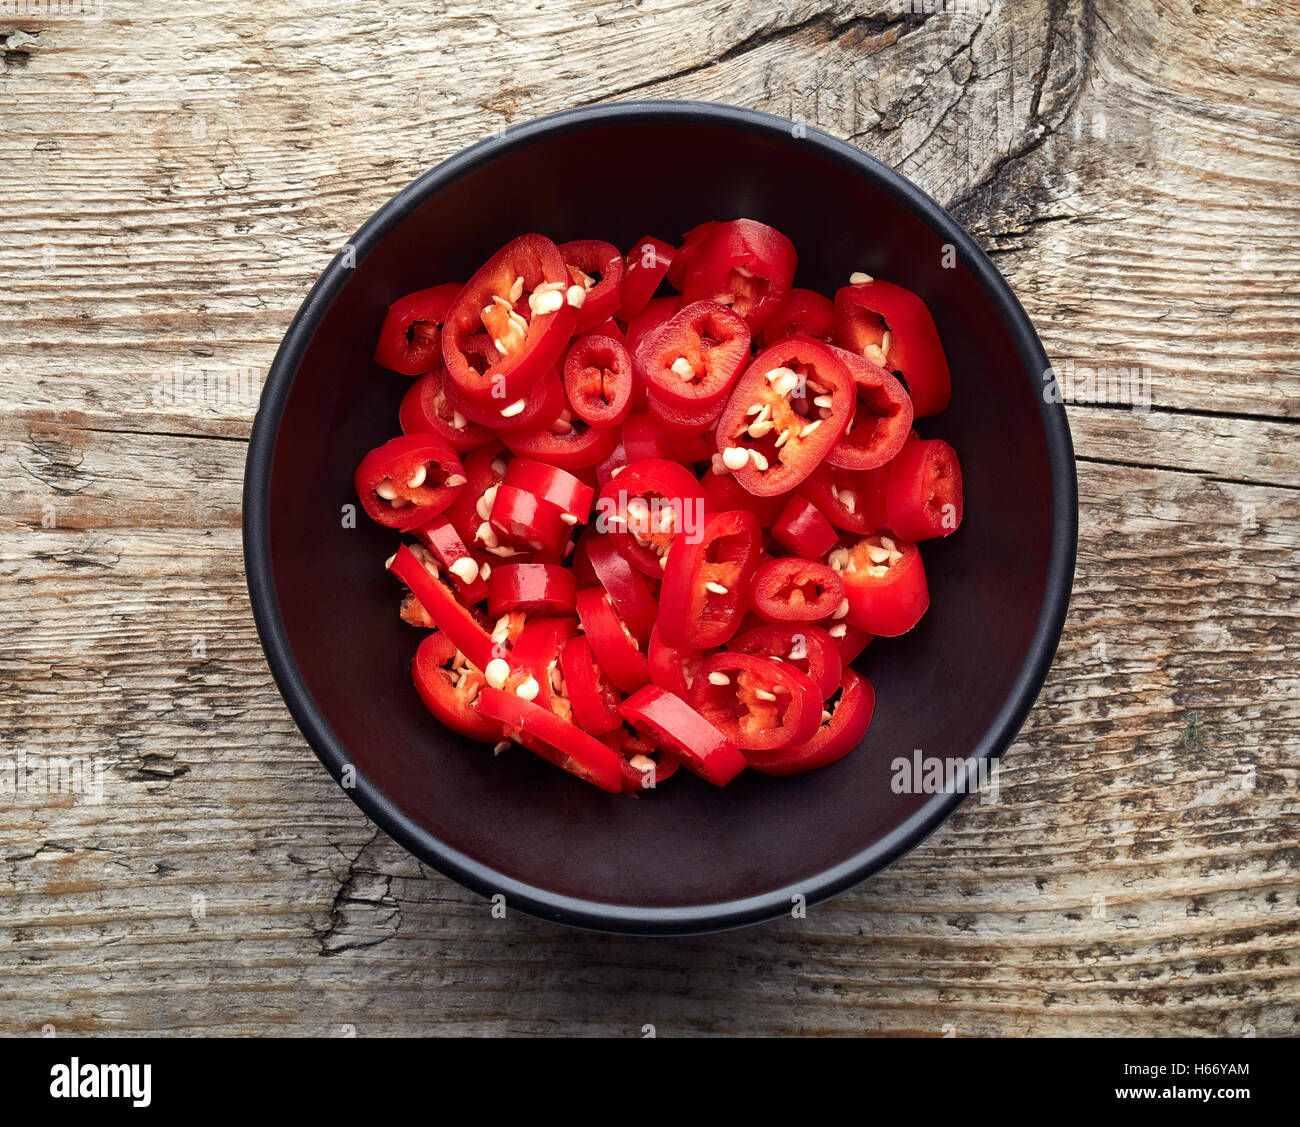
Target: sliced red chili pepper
{"x": 534, "y": 663}
{"x": 462, "y": 567}
{"x": 672, "y": 667}
{"x": 892, "y": 327}
{"x": 642, "y": 326}
{"x": 526, "y": 520}
{"x": 803, "y": 390}
{"x": 884, "y": 582}
{"x": 569, "y": 493}
{"x": 676, "y": 725}
{"x": 852, "y": 500}
{"x": 408, "y": 480}
{"x": 802, "y": 530}
{"x": 810, "y": 649}
{"x": 723, "y": 492}
{"x": 804, "y": 313}
{"x": 598, "y": 380}
{"x": 691, "y": 364}
{"x": 643, "y": 269}
{"x": 628, "y": 589}
{"x": 757, "y": 703}
{"x": 530, "y": 266}
{"x": 426, "y": 409}
{"x": 452, "y": 617}
{"x": 484, "y": 468}
{"x": 607, "y": 328}
{"x": 449, "y": 686}
{"x": 704, "y": 589}
{"x": 645, "y": 764}
{"x": 789, "y": 589}
{"x": 592, "y": 695}
{"x": 923, "y": 495}
{"x": 556, "y": 740}
{"x": 882, "y": 417}
{"x": 645, "y": 507}
{"x": 568, "y": 445}
{"x": 534, "y": 588}
{"x": 849, "y": 640}
{"x": 598, "y": 268}
{"x": 845, "y": 720}
{"x": 746, "y": 265}
{"x": 540, "y": 406}
{"x": 686, "y": 252}
{"x": 612, "y": 642}
{"x": 409, "y": 341}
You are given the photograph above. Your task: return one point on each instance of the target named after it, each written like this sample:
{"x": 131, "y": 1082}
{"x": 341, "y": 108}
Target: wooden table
{"x": 172, "y": 185}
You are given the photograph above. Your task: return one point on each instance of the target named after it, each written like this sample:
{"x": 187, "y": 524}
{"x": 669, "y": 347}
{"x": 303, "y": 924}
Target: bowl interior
{"x": 688, "y": 845}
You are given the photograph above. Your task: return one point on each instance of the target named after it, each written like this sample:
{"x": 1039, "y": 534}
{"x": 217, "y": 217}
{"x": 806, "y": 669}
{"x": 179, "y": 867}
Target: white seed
{"x": 878, "y": 555}
{"x": 735, "y": 457}
{"x": 808, "y": 428}
{"x": 568, "y": 518}
{"x": 858, "y": 278}
{"x": 849, "y": 500}
{"x": 763, "y": 694}
{"x": 484, "y": 505}
{"x": 839, "y": 559}
{"x": 514, "y": 409}
{"x": 529, "y": 689}
{"x": 518, "y": 322}
{"x": 458, "y": 420}
{"x": 616, "y": 471}
{"x": 784, "y": 437}
{"x": 887, "y": 544}
{"x": 838, "y": 630}
{"x": 719, "y": 679}
{"x": 546, "y": 298}
{"x": 486, "y": 535}
{"x": 517, "y": 290}
{"x": 575, "y": 296}
{"x": 842, "y": 609}
{"x": 715, "y": 588}
{"x": 663, "y": 560}
{"x": 776, "y": 374}
{"x": 499, "y": 345}
{"x": 760, "y": 462}
{"x": 501, "y": 550}
{"x": 817, "y": 388}
{"x": 464, "y": 569}
{"x": 822, "y": 401}
{"x": 417, "y": 478}
{"x": 504, "y": 745}
{"x": 485, "y": 570}
{"x": 496, "y": 672}
{"x": 557, "y": 679}
{"x": 642, "y": 763}
{"x": 683, "y": 368}
{"x": 501, "y": 631}
{"x": 715, "y": 464}
{"x": 874, "y": 354}
{"x": 757, "y": 430}
{"x": 885, "y": 342}
{"x": 826, "y": 717}
{"x": 786, "y": 383}
{"x": 386, "y": 489}
{"x": 455, "y": 481}
{"x": 724, "y": 298}
{"x": 755, "y": 408}
{"x": 389, "y": 562}
{"x": 498, "y": 466}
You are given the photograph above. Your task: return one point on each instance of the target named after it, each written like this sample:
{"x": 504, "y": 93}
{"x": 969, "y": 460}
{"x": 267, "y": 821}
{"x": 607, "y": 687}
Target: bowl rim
{"x": 599, "y": 915}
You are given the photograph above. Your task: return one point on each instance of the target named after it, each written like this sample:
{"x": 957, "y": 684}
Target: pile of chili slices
{"x": 654, "y": 531}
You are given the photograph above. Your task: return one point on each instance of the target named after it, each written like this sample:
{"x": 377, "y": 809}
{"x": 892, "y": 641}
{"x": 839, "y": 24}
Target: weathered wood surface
{"x": 174, "y": 178}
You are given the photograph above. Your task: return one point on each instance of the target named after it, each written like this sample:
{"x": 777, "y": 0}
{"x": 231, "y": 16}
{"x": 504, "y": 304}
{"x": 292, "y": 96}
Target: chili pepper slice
{"x": 449, "y": 686}
{"x": 788, "y": 410}
{"x": 643, "y": 269}
{"x": 881, "y": 420}
{"x": 723, "y": 492}
{"x": 526, "y": 519}
{"x": 746, "y": 265}
{"x": 409, "y": 341}
{"x": 463, "y": 568}
{"x": 576, "y": 446}
{"x": 849, "y": 640}
{"x": 408, "y": 480}
{"x": 691, "y": 364}
{"x": 852, "y": 500}
{"x": 672, "y": 667}
{"x": 644, "y": 325}
{"x": 452, "y": 617}
{"x": 612, "y": 643}
{"x": 553, "y": 738}
{"x": 530, "y": 267}
{"x": 804, "y": 313}
{"x": 592, "y": 695}
{"x": 844, "y": 721}
{"x": 484, "y": 467}
{"x": 598, "y": 380}
{"x": 570, "y": 494}
{"x": 598, "y": 268}
{"x": 686, "y": 252}
{"x": 810, "y": 649}
{"x": 426, "y": 409}
{"x": 607, "y": 328}
{"x": 789, "y": 589}
{"x": 534, "y": 588}
{"x": 884, "y": 582}
{"x": 704, "y": 588}
{"x": 892, "y": 327}
{"x": 644, "y": 508}
{"x": 540, "y": 406}
{"x": 759, "y": 704}
{"x": 645, "y": 764}
{"x": 533, "y": 669}
{"x": 923, "y": 494}
{"x": 703, "y": 749}
{"x": 803, "y": 531}
{"x": 628, "y": 589}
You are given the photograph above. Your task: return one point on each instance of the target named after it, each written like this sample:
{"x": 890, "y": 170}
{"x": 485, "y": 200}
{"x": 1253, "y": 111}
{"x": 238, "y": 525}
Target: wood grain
{"x": 173, "y": 185}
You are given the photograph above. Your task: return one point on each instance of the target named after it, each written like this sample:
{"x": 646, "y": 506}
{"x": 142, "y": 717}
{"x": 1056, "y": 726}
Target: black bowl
{"x": 688, "y": 857}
